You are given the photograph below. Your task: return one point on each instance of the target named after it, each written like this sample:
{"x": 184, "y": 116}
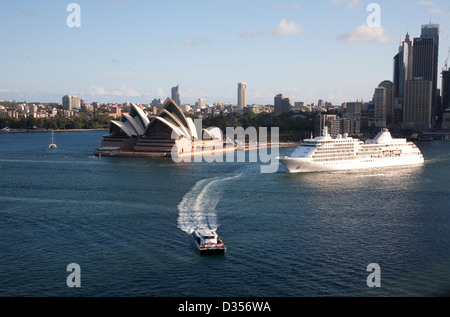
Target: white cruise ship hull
{"x": 307, "y": 165}
{"x": 345, "y": 153}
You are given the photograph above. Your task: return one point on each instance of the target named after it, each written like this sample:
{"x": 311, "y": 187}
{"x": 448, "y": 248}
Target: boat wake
{"x": 198, "y": 207}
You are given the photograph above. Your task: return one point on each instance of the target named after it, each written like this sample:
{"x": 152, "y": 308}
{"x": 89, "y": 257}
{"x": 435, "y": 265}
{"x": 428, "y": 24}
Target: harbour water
{"x": 125, "y": 222}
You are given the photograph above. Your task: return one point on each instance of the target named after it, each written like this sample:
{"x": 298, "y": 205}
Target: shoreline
{"x": 46, "y": 131}
{"x": 118, "y": 153}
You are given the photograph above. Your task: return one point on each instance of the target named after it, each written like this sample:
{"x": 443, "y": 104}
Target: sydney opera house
{"x": 169, "y": 133}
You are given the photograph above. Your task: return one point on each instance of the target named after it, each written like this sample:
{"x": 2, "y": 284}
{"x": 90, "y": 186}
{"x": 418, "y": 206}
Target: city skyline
{"x": 138, "y": 51}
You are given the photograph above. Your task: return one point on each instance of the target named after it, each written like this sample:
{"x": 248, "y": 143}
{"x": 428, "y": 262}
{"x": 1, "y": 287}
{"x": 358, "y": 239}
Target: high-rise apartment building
{"x": 71, "y": 102}
{"x": 156, "y": 103}
{"x": 242, "y": 95}
{"x": 201, "y": 103}
{"x": 282, "y": 104}
{"x": 176, "y": 95}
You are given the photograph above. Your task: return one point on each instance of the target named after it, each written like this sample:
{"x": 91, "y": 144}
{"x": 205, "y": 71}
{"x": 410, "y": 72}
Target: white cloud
{"x": 426, "y": 3}
{"x": 188, "y": 42}
{"x": 440, "y": 10}
{"x": 287, "y": 28}
{"x": 25, "y": 11}
{"x": 284, "y": 28}
{"x": 96, "y": 91}
{"x": 194, "y": 94}
{"x": 160, "y": 92}
{"x": 365, "y": 34}
{"x": 287, "y": 5}
{"x": 157, "y": 92}
{"x": 354, "y": 4}
{"x": 297, "y": 6}
{"x": 336, "y": 95}
{"x": 130, "y": 73}
{"x": 125, "y": 91}
{"x": 115, "y": 3}
{"x": 351, "y": 4}
{"x": 247, "y": 34}
{"x": 194, "y": 40}
{"x": 434, "y": 8}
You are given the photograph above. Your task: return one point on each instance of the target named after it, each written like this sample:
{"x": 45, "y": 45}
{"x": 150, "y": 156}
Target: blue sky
{"x": 137, "y": 50}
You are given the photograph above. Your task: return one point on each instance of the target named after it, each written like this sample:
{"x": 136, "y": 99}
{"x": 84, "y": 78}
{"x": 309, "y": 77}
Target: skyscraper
{"x": 402, "y": 69}
{"x": 353, "y": 113}
{"x": 282, "y": 104}
{"x": 201, "y": 103}
{"x": 242, "y": 95}
{"x": 417, "y": 104}
{"x": 71, "y": 102}
{"x": 379, "y": 99}
{"x": 425, "y": 62}
{"x": 446, "y": 98}
{"x": 176, "y": 95}
{"x": 330, "y": 121}
{"x": 384, "y": 104}
{"x": 446, "y": 89}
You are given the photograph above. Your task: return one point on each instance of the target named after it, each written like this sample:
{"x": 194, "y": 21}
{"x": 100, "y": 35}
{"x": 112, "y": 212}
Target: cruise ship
{"x": 325, "y": 153}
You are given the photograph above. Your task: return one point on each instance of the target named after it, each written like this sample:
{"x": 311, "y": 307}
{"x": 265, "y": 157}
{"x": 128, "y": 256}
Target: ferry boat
{"x": 325, "y": 153}
{"x": 208, "y": 242}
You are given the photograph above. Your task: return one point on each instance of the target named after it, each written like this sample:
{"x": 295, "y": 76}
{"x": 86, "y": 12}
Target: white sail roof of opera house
{"x": 132, "y": 124}
{"x": 173, "y": 117}
{"x": 213, "y": 133}
{"x": 171, "y": 120}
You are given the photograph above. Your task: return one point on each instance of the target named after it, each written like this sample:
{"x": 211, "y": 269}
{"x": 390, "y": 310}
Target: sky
{"x": 136, "y": 51}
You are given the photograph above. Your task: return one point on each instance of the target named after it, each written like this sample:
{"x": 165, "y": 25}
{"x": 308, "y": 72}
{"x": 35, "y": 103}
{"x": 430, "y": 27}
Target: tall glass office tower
{"x": 176, "y": 95}
{"x": 425, "y": 62}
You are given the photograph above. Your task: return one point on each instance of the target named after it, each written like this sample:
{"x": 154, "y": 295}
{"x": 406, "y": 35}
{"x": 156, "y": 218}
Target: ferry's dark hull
{"x": 212, "y": 251}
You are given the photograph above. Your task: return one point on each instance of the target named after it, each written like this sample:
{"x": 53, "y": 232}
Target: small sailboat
{"x": 52, "y": 145}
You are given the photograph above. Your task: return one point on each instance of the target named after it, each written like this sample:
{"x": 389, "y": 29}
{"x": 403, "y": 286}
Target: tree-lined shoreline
{"x": 74, "y": 123}
{"x": 292, "y": 126}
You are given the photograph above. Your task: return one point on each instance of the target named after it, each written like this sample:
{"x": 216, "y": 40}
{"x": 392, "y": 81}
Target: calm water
{"x": 124, "y": 221}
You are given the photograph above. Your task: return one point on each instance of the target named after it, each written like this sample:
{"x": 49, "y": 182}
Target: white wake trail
{"x": 197, "y": 209}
